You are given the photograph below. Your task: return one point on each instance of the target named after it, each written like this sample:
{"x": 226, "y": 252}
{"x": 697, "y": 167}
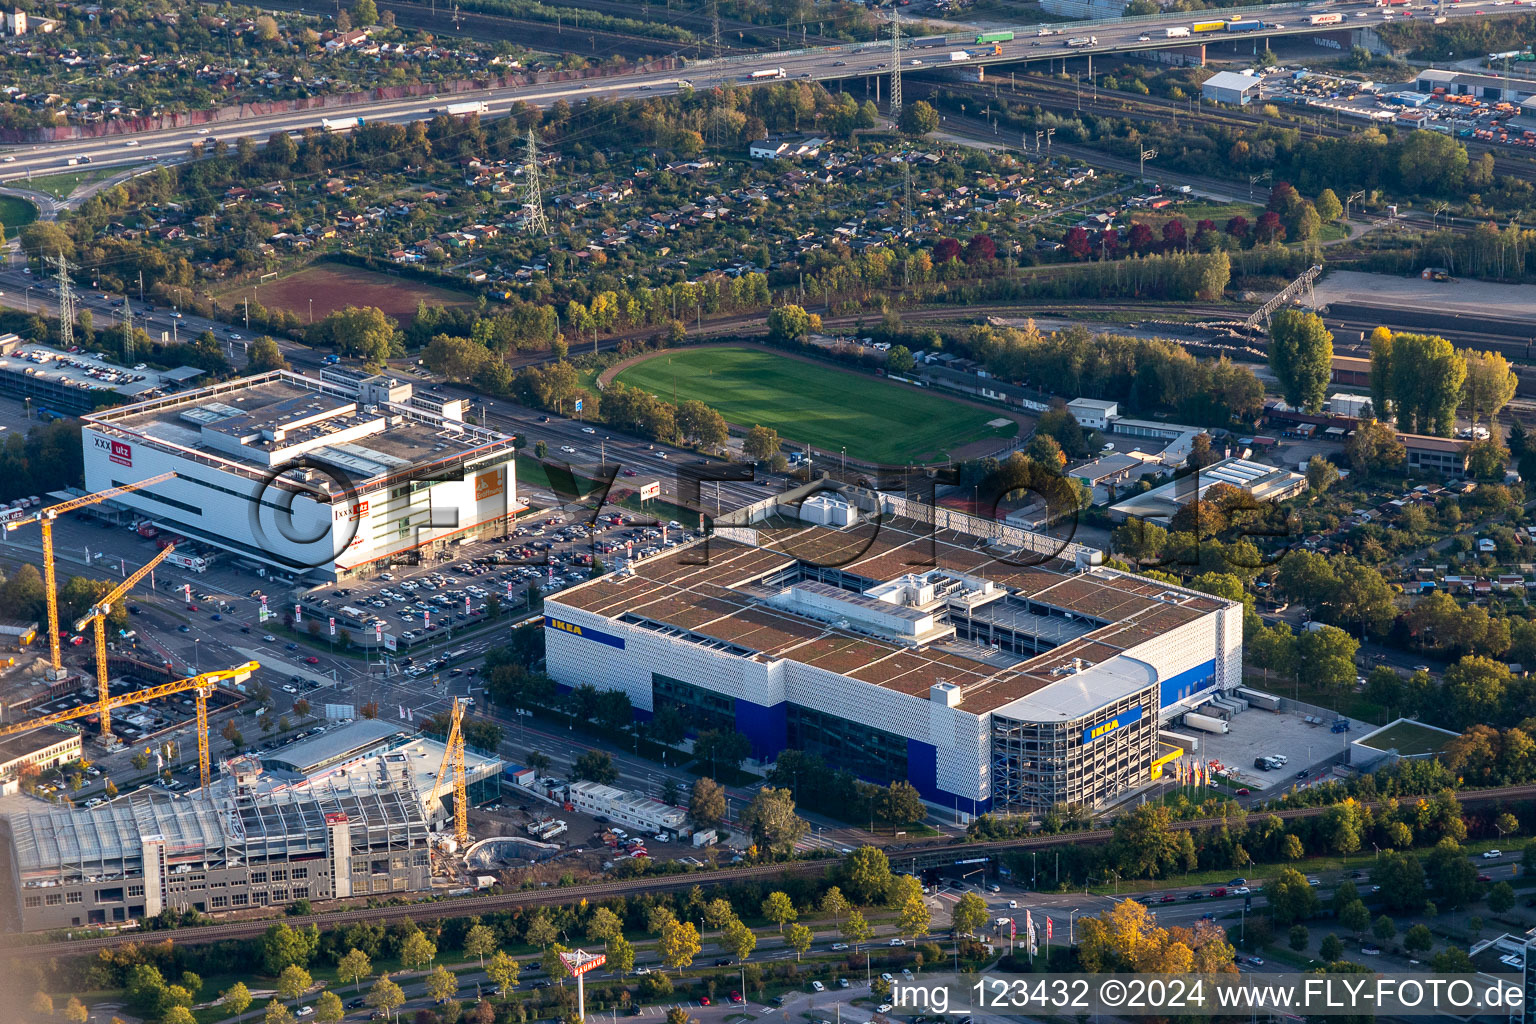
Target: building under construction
{"x": 251, "y": 840}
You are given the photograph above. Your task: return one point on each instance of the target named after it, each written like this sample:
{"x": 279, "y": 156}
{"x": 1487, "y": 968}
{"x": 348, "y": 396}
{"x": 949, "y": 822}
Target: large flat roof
{"x": 249, "y": 425}
{"x": 720, "y": 602}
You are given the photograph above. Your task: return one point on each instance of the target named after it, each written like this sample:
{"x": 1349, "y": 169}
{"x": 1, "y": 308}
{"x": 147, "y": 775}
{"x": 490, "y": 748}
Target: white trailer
{"x": 1259, "y": 699}
{"x": 959, "y": 55}
{"x": 193, "y": 562}
{"x": 480, "y": 107}
{"x": 766, "y": 73}
{"x": 1205, "y": 723}
{"x": 1177, "y": 33}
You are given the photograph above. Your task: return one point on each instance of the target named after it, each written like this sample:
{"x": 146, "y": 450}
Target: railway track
{"x": 667, "y": 883}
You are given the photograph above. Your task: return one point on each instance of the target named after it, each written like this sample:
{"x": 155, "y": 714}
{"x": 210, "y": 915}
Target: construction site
{"x": 361, "y": 810}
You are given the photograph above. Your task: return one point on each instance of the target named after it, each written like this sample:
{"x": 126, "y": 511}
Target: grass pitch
{"x": 819, "y": 405}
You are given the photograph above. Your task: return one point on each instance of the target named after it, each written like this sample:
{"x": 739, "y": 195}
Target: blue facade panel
{"x": 764, "y": 726}
{"x": 1187, "y": 683}
{"x": 923, "y": 770}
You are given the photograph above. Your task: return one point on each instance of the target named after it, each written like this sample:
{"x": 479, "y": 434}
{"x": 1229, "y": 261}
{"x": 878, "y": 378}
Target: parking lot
{"x": 1259, "y": 733}
{"x": 550, "y": 550}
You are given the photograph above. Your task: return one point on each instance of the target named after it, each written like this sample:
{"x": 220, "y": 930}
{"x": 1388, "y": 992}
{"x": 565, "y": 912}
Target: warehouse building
{"x": 251, "y": 840}
{"x": 319, "y": 478}
{"x": 990, "y": 667}
{"x": 1230, "y": 87}
{"x": 1260, "y": 482}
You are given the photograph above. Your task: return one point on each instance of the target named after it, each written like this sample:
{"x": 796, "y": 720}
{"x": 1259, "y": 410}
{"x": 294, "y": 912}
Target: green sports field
{"x": 818, "y": 405}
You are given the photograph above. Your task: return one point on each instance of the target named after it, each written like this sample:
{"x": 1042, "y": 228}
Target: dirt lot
{"x": 333, "y": 286}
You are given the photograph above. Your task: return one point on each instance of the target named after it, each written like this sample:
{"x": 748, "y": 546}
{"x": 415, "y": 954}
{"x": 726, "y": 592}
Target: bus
{"x": 995, "y": 37}
{"x": 462, "y": 652}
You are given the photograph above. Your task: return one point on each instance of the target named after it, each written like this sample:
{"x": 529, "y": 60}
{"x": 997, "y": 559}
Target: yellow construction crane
{"x": 44, "y": 518}
{"x": 454, "y": 752}
{"x": 202, "y": 684}
{"x": 98, "y": 614}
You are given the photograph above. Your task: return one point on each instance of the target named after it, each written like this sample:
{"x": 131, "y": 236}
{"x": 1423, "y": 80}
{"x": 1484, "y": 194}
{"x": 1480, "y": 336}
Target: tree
{"x": 236, "y": 999}
{"x": 866, "y": 874}
{"x": 970, "y": 915}
{"x": 856, "y": 929}
{"x": 913, "y": 919}
{"x": 503, "y": 970}
{"x": 779, "y": 909}
{"x": 1301, "y": 356}
{"x": 417, "y": 950}
{"x": 792, "y": 323}
{"x": 1487, "y": 459}
{"x": 1374, "y": 448}
{"x": 480, "y": 941}
{"x": 328, "y": 1008}
{"x": 356, "y": 966}
{"x": 833, "y": 902}
{"x": 1355, "y": 916}
{"x": 706, "y": 804}
{"x": 1418, "y": 939}
{"x": 899, "y": 359}
{"x": 762, "y": 443}
{"x": 678, "y": 1015}
{"x": 1299, "y": 937}
{"x": 264, "y": 355}
{"x": 1400, "y": 877}
{"x": 1331, "y": 948}
{"x": 1489, "y": 384}
{"x": 1501, "y": 898}
{"x": 800, "y": 938}
{"x": 46, "y": 239}
{"x": 441, "y": 984}
{"x": 902, "y": 804}
{"x": 1321, "y": 474}
{"x": 540, "y": 931}
{"x": 365, "y": 12}
{"x": 1326, "y": 658}
{"x": 1144, "y": 845}
{"x": 362, "y": 331}
{"x": 293, "y": 982}
{"x": 75, "y": 1011}
{"x": 385, "y": 995}
{"x": 1451, "y": 876}
{"x": 621, "y": 955}
{"x": 679, "y": 944}
{"x": 596, "y": 766}
{"x": 1383, "y": 928}
{"x": 603, "y": 925}
{"x": 1328, "y": 206}
{"x": 1291, "y": 899}
{"x": 771, "y": 819}
{"x": 918, "y": 118}
{"x": 737, "y": 939}
{"x": 282, "y": 946}
{"x": 183, "y": 1015}
{"x": 1427, "y": 377}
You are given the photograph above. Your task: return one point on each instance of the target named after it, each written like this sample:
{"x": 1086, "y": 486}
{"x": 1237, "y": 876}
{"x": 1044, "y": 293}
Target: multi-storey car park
{"x": 992, "y": 668}
{"x": 359, "y": 823}
{"x": 323, "y": 478}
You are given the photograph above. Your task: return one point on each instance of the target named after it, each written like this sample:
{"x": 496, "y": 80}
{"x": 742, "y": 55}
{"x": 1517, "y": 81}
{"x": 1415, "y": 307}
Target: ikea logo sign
{"x": 585, "y": 632}
{"x": 1105, "y": 728}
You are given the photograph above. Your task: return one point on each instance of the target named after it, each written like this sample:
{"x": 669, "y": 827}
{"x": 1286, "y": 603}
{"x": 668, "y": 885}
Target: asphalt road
{"x": 823, "y": 64}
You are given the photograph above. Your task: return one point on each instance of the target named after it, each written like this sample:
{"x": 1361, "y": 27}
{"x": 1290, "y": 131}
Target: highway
{"x": 1034, "y": 43}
